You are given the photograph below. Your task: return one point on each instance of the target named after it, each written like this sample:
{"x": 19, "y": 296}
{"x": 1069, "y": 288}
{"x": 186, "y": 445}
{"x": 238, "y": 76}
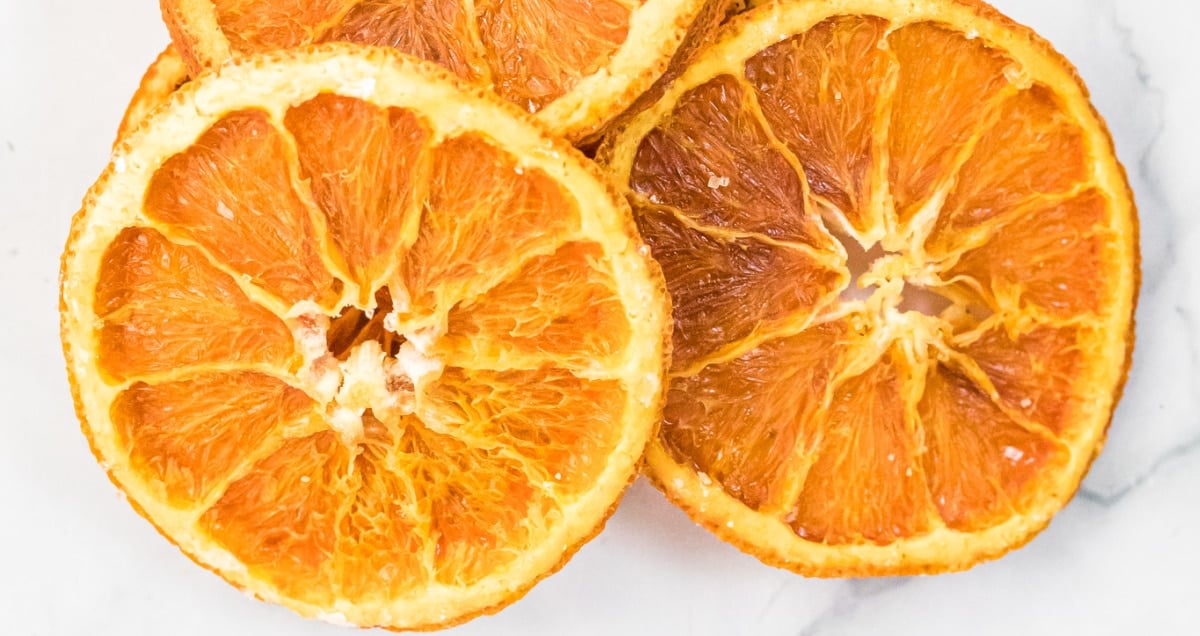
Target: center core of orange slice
{"x": 365, "y": 363}
{"x": 891, "y": 281}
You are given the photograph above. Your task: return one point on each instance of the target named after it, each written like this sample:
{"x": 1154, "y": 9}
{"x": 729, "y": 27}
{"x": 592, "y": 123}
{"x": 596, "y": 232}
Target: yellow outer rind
{"x": 943, "y": 549}
{"x": 273, "y": 82}
{"x": 164, "y": 76}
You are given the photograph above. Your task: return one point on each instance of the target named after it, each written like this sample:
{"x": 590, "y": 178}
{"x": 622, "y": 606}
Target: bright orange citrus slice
{"x": 360, "y": 341}
{"x": 903, "y": 260}
{"x": 577, "y": 63}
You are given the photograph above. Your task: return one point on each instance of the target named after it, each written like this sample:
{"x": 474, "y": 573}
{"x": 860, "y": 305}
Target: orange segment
{"x": 979, "y": 461}
{"x": 231, "y": 192}
{"x": 841, "y": 73}
{"x": 461, "y": 511}
{"x": 1033, "y": 373}
{"x": 866, "y": 483}
{"x": 984, "y": 286}
{"x": 440, "y": 31}
{"x": 722, "y": 286}
{"x": 280, "y": 519}
{"x": 484, "y": 512}
{"x": 1046, "y": 256}
{"x": 482, "y": 208}
{"x": 251, "y": 25}
{"x": 556, "y": 423}
{"x": 190, "y": 436}
{"x": 570, "y": 315}
{"x": 362, "y": 162}
{"x": 383, "y": 535}
{"x": 163, "y": 307}
{"x": 748, "y": 446}
{"x": 686, "y": 164}
{"x": 945, "y": 87}
{"x": 577, "y": 64}
{"x": 1034, "y": 149}
{"x": 416, "y": 441}
{"x": 540, "y": 49}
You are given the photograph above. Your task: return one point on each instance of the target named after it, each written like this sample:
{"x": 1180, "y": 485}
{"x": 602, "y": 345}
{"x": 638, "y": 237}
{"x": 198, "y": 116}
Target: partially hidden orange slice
{"x": 576, "y": 63}
{"x": 164, "y": 76}
{"x": 903, "y": 261}
{"x": 362, "y": 342}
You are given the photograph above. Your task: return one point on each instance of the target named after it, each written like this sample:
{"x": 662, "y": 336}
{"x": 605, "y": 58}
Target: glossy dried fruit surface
{"x": 903, "y": 258}
{"x": 386, "y": 356}
{"x": 578, "y": 63}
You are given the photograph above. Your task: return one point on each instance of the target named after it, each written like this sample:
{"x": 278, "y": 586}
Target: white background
{"x": 1122, "y": 558}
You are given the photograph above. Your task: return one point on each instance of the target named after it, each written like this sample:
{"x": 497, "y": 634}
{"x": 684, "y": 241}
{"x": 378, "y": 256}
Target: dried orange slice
{"x": 577, "y": 63}
{"x": 165, "y": 76}
{"x": 903, "y": 260}
{"x": 364, "y": 343}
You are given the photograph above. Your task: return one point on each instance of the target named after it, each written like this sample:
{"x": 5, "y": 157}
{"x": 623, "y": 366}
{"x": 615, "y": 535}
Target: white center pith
{"x": 368, "y": 378}
{"x": 891, "y": 281}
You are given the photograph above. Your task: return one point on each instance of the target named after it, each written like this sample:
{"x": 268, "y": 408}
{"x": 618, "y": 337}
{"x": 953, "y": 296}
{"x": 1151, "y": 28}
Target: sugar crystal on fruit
{"x": 716, "y": 182}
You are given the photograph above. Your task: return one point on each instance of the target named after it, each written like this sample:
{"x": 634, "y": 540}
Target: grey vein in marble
{"x": 850, "y": 600}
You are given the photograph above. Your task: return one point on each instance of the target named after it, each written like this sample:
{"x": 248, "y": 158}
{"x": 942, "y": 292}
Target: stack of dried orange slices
{"x": 370, "y": 342}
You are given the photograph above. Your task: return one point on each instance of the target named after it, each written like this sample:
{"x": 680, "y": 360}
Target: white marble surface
{"x": 1122, "y": 558}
